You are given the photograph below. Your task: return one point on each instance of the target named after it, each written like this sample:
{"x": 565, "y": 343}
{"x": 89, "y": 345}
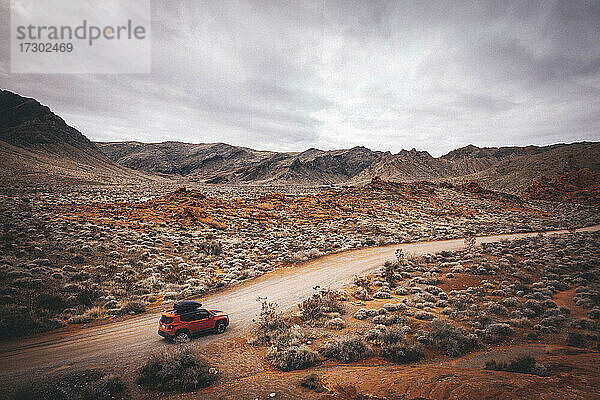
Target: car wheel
{"x": 181, "y": 337}
{"x": 220, "y": 327}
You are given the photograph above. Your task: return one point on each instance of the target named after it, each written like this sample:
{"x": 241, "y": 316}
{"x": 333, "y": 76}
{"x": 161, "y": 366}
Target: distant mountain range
{"x": 510, "y": 169}
{"x": 223, "y": 163}
{"x": 36, "y": 142}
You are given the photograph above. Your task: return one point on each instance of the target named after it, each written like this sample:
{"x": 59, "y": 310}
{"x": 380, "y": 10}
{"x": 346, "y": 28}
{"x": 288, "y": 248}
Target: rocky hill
{"x": 515, "y": 175}
{"x": 176, "y": 158}
{"x": 223, "y": 163}
{"x": 416, "y": 165}
{"x": 36, "y": 145}
{"x": 582, "y": 186}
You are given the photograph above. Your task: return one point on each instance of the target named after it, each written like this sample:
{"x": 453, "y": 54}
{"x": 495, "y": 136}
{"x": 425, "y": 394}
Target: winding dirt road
{"x": 126, "y": 340}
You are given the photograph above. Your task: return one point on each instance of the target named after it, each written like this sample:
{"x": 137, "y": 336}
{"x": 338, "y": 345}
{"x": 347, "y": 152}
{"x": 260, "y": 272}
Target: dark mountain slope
{"x": 38, "y": 146}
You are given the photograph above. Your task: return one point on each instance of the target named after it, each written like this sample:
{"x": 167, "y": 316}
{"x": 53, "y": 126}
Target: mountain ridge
{"x": 35, "y": 142}
{"x": 39, "y": 146}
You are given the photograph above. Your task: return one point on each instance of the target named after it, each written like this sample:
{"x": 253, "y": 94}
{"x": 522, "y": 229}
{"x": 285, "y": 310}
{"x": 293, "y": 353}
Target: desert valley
{"x": 347, "y": 274}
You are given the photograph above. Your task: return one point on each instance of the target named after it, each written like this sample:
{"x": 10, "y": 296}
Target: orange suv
{"x": 188, "y": 318}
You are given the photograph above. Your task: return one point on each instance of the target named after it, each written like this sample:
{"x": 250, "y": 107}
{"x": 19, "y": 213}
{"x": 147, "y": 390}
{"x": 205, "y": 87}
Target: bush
{"x": 87, "y": 296}
{"x": 584, "y": 323}
{"x": 335, "y": 323}
{"x": 211, "y": 247}
{"x": 313, "y": 383}
{"x": 454, "y": 342}
{"x": 424, "y": 315}
{"x": 133, "y": 307}
{"x": 19, "y": 321}
{"x": 495, "y": 333}
{"x": 292, "y": 358}
{"x": 498, "y": 309}
{"x": 323, "y": 301}
{"x": 88, "y": 316}
{"x": 50, "y": 302}
{"x": 361, "y": 281}
{"x": 271, "y": 324}
{"x": 393, "y": 336}
{"x": 176, "y": 370}
{"x": 576, "y": 339}
{"x": 346, "y": 349}
{"x": 523, "y": 365}
{"x": 402, "y": 353}
{"x": 361, "y": 293}
{"x": 594, "y": 314}
{"x": 87, "y": 384}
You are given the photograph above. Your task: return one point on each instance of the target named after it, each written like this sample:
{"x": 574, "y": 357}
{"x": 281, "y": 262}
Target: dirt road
{"x": 118, "y": 342}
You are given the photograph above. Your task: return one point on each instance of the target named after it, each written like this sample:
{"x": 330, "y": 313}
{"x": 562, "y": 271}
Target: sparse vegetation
{"x": 453, "y": 341}
{"x": 523, "y": 365}
{"x": 133, "y": 307}
{"x": 320, "y": 305}
{"x": 177, "y": 370}
{"x": 90, "y": 384}
{"x": 347, "y": 348}
{"x": 21, "y": 321}
{"x": 271, "y": 325}
{"x": 292, "y": 357}
{"x": 313, "y": 383}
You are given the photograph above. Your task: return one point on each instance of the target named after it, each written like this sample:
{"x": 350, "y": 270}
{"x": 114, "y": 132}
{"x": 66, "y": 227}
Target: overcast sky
{"x": 287, "y": 76}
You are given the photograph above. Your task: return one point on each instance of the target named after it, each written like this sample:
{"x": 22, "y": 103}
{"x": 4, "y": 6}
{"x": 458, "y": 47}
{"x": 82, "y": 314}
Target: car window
{"x": 203, "y": 314}
{"x": 189, "y": 316}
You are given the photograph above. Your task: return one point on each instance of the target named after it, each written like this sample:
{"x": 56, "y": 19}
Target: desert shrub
{"x": 133, "y": 307}
{"x": 594, "y": 313}
{"x": 388, "y": 274}
{"x": 361, "y": 281}
{"x": 323, "y": 301}
{"x": 84, "y": 385}
{"x": 211, "y": 247}
{"x": 86, "y": 296}
{"x": 498, "y": 309}
{"x": 495, "y": 333}
{"x": 335, "y": 323}
{"x": 360, "y": 314}
{"x": 382, "y": 295}
{"x": 576, "y": 339}
{"x": 523, "y": 365}
{"x": 387, "y": 320}
{"x": 346, "y": 349}
{"x": 424, "y": 315}
{"x": 553, "y": 321}
{"x": 584, "y": 323}
{"x": 88, "y": 316}
{"x": 292, "y": 358}
{"x": 21, "y": 321}
{"x": 50, "y": 302}
{"x": 454, "y": 342}
{"x": 520, "y": 322}
{"x": 313, "y": 383}
{"x": 361, "y": 293}
{"x": 374, "y": 335}
{"x": 402, "y": 353}
{"x": 392, "y": 336}
{"x": 271, "y": 325}
{"x": 176, "y": 370}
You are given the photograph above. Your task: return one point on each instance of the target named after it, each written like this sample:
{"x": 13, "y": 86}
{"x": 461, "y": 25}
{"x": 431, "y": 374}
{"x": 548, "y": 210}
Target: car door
{"x": 191, "y": 320}
{"x": 205, "y": 320}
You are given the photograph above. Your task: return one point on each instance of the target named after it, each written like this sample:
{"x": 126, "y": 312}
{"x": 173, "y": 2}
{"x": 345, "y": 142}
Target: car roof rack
{"x": 186, "y": 305}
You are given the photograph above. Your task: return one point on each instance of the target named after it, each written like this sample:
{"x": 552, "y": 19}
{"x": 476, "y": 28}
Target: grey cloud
{"x": 386, "y": 74}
